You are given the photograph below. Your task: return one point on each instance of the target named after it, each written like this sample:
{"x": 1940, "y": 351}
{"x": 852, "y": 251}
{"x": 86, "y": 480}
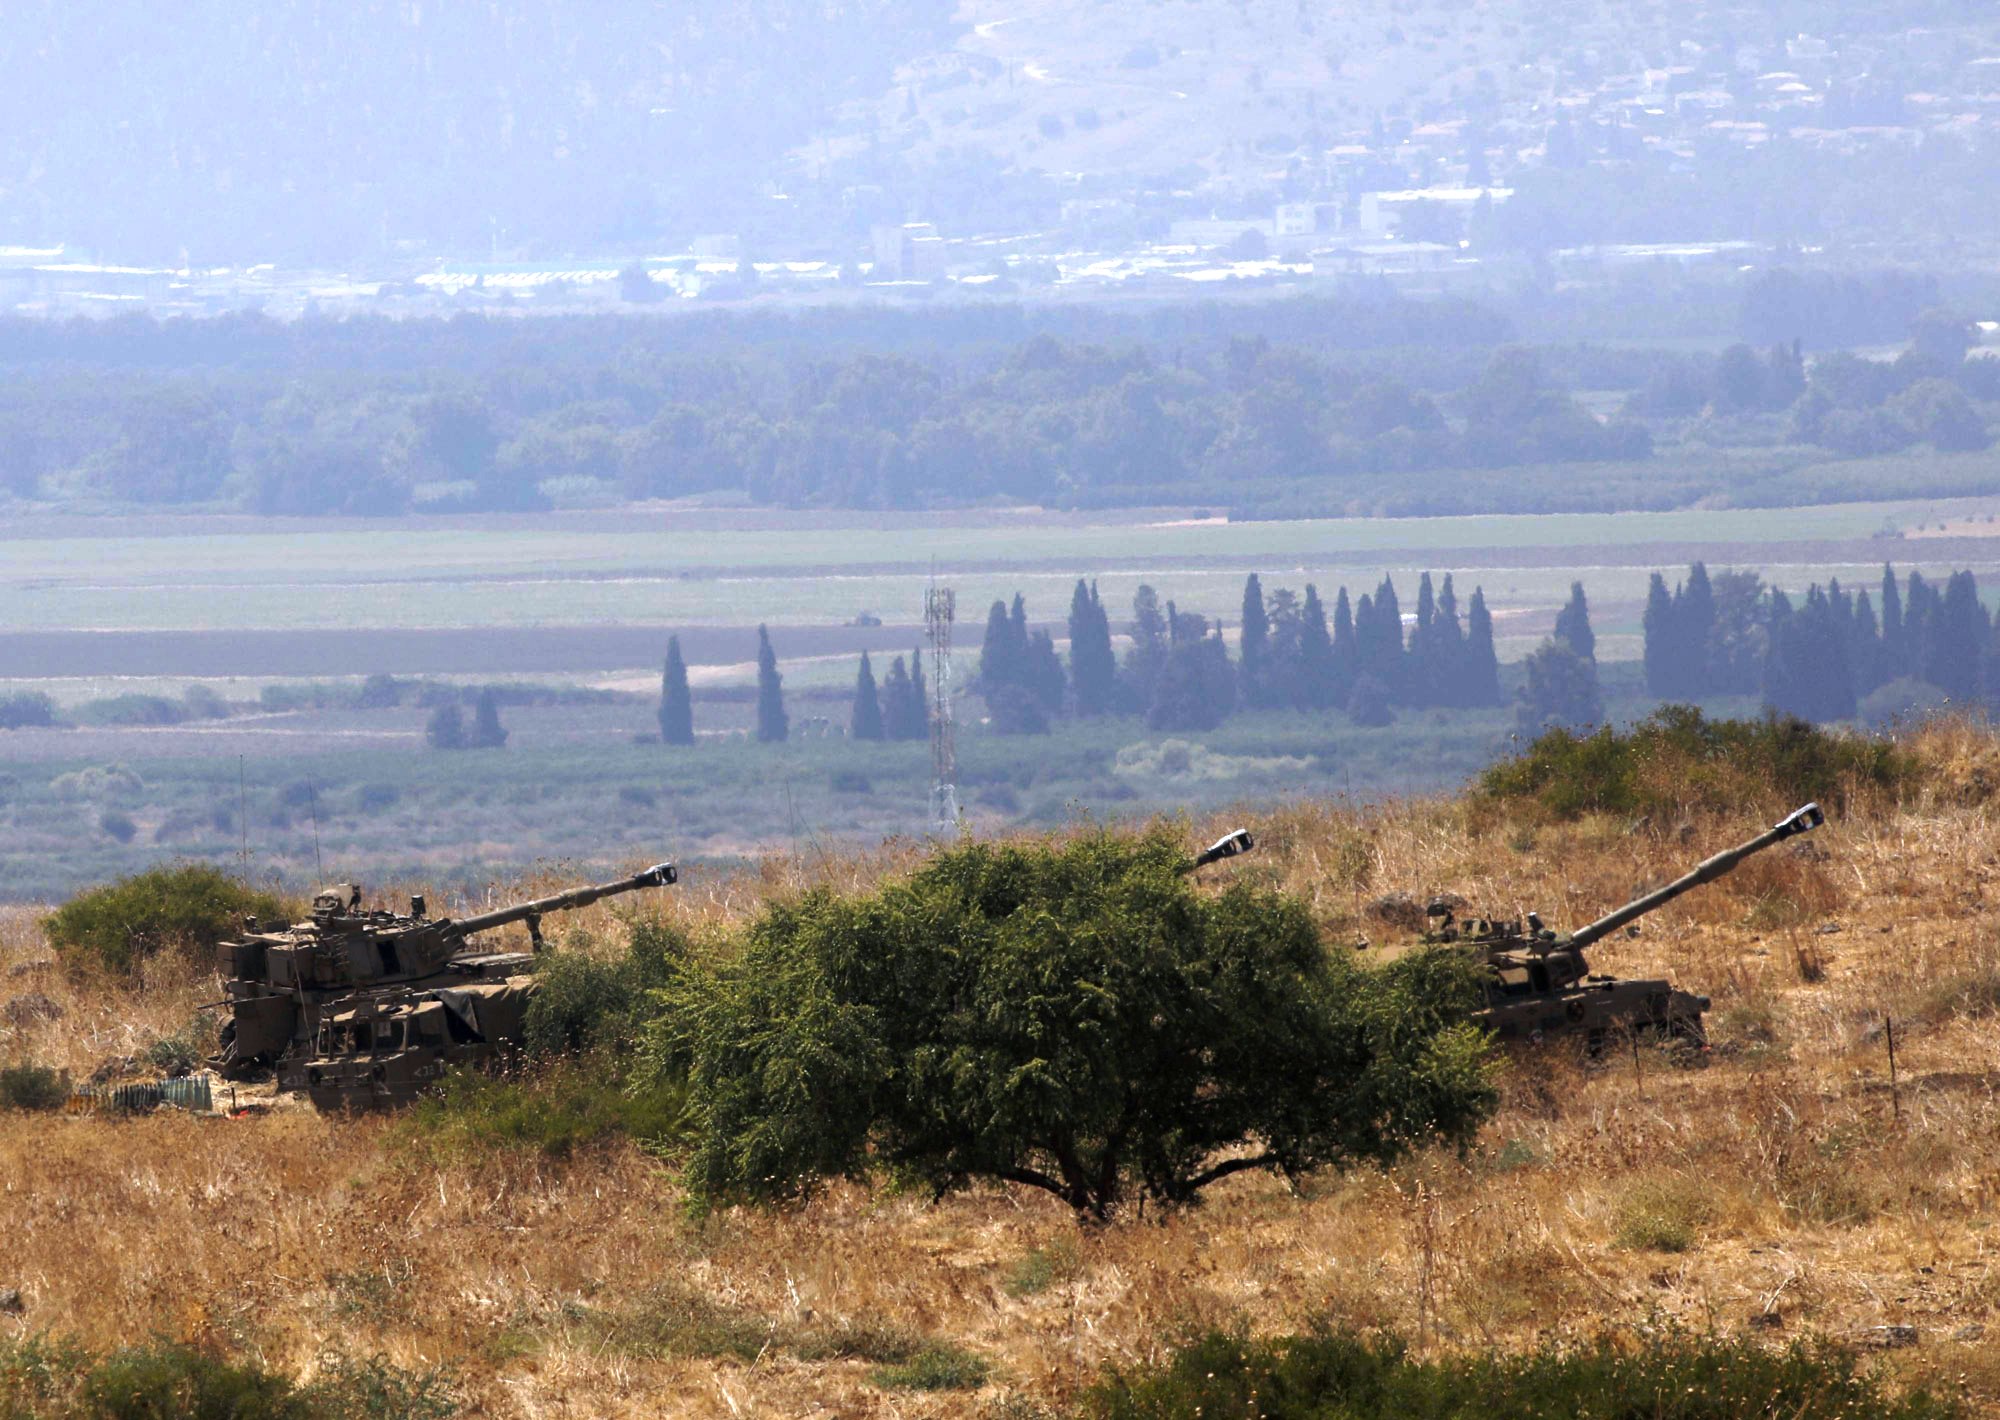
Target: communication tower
{"x": 940, "y": 608}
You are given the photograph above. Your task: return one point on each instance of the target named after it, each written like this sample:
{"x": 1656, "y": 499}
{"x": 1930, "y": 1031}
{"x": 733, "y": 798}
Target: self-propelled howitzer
{"x": 277, "y": 983}
{"x": 1538, "y": 982}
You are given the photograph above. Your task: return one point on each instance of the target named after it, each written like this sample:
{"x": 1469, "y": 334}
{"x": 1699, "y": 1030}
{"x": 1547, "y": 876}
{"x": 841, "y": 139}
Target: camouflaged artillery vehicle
{"x": 1538, "y": 983}
{"x": 278, "y": 984}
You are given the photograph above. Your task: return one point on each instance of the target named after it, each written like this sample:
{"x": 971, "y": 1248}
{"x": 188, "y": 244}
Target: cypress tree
{"x": 1919, "y": 606}
{"x": 904, "y": 714}
{"x": 1806, "y": 668}
{"x": 1482, "y": 662}
{"x": 1424, "y": 685}
{"x": 772, "y": 724}
{"x": 1346, "y": 659}
{"x": 999, "y": 665}
{"x": 1149, "y": 648}
{"x": 1697, "y": 673}
{"x": 866, "y": 722}
{"x": 1780, "y": 688}
{"x": 676, "y": 704}
{"x": 1573, "y": 625}
{"x": 1895, "y": 659}
{"x": 1957, "y": 632}
{"x": 1662, "y": 644}
{"x": 1043, "y": 673}
{"x": 1254, "y": 646}
{"x": 1318, "y": 687}
{"x": 1092, "y": 669}
{"x": 1864, "y": 651}
{"x": 487, "y": 731}
{"x": 1448, "y": 643}
{"x": 1388, "y": 663}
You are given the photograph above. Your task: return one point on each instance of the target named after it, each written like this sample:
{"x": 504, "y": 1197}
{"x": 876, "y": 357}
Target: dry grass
{"x": 1780, "y": 1182}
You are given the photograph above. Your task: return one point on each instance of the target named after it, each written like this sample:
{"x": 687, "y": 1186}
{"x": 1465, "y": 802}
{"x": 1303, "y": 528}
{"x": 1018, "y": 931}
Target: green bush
{"x": 44, "y": 1378}
{"x": 1676, "y": 1378}
{"x": 374, "y": 1388}
{"x": 186, "y": 907}
{"x": 132, "y": 710}
{"x": 165, "y": 1381}
{"x": 32, "y": 1087}
{"x": 555, "y": 1111}
{"x": 182, "y": 1052}
{"x": 950, "y": 1026}
{"x": 1676, "y": 759}
{"x": 939, "y": 1366}
{"x": 30, "y": 708}
{"x": 583, "y": 1002}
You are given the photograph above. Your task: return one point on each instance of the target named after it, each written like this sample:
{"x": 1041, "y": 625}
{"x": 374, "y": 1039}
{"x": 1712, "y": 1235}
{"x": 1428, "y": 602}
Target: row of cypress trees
{"x": 1821, "y": 657}
{"x": 1177, "y": 672}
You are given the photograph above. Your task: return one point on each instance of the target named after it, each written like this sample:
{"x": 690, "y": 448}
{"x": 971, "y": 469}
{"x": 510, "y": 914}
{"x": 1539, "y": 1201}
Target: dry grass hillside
{"x": 1782, "y": 1190}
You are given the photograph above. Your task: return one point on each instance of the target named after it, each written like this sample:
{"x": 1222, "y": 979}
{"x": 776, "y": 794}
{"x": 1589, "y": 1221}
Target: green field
{"x": 669, "y": 568}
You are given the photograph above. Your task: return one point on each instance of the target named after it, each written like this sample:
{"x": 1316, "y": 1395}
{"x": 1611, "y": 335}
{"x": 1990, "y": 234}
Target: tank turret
{"x": 277, "y": 982}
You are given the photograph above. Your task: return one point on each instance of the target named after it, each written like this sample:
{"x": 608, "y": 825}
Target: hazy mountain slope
{"x": 1240, "y": 89}
{"x": 295, "y": 129}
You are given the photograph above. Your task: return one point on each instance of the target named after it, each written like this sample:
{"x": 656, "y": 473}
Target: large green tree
{"x": 1076, "y": 1018}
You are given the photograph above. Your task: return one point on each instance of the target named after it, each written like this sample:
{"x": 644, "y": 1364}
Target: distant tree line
{"x": 1044, "y": 419}
{"x": 1842, "y": 402}
{"x": 1832, "y": 655}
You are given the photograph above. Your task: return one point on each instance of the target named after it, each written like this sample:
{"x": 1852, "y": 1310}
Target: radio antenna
{"x": 312, "y": 795}
{"x": 243, "y": 818}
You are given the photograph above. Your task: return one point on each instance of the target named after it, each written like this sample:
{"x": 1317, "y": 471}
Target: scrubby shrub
{"x": 33, "y": 1087}
{"x": 555, "y": 1111}
{"x": 1663, "y": 1215}
{"x": 117, "y": 825}
{"x": 1041, "y": 1268}
{"x": 638, "y": 795}
{"x": 375, "y": 798}
{"x": 848, "y": 781}
{"x": 167, "y": 1380}
{"x": 133, "y": 710}
{"x": 1677, "y": 759}
{"x": 584, "y": 1003}
{"x": 375, "y": 1388}
{"x": 182, "y": 1052}
{"x": 98, "y": 782}
{"x": 185, "y": 907}
{"x": 939, "y": 1366}
{"x": 202, "y": 702}
{"x": 44, "y": 1377}
{"x": 1674, "y": 1378}
{"x": 27, "y": 710}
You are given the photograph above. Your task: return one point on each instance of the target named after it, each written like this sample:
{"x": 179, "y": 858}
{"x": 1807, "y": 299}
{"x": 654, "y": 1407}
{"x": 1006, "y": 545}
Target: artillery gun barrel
{"x": 1802, "y": 820}
{"x": 659, "y": 875}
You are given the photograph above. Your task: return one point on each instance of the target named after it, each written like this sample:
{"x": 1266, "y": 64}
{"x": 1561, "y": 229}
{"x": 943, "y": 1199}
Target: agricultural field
{"x": 253, "y": 613}
{"x": 1789, "y": 1186}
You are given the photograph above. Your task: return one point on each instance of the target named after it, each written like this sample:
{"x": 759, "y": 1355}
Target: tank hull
{"x": 1596, "y": 1011}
